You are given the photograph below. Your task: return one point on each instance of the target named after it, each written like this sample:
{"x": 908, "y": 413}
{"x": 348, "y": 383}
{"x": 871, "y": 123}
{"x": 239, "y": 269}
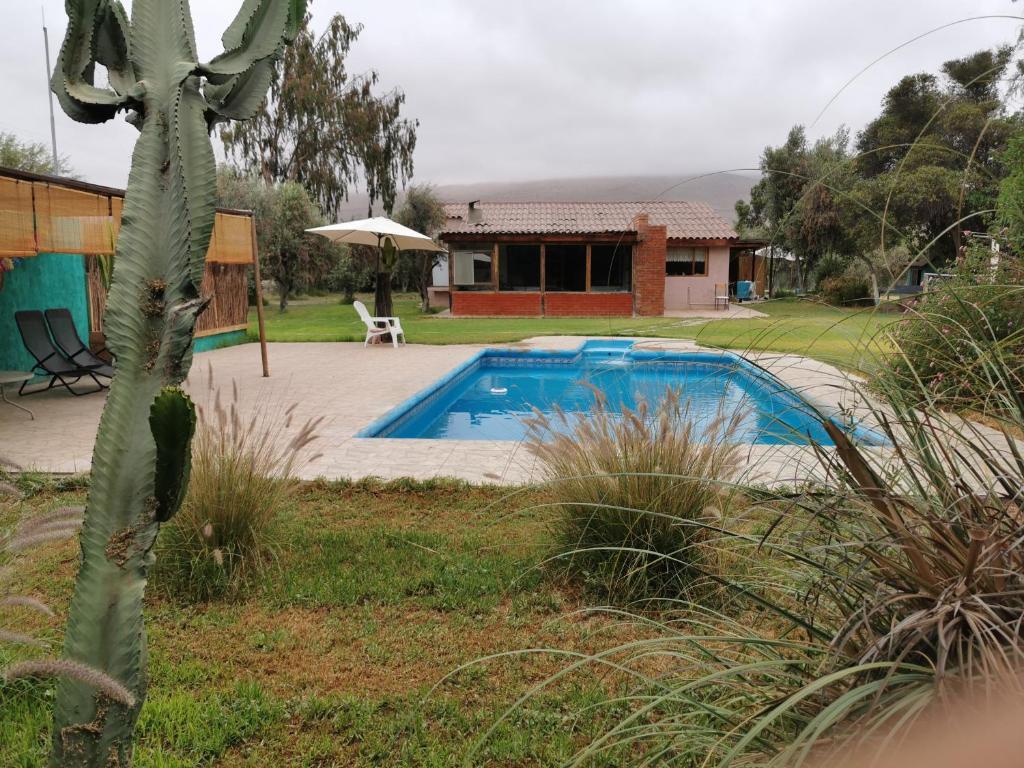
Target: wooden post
{"x": 586, "y": 283}
{"x": 259, "y": 297}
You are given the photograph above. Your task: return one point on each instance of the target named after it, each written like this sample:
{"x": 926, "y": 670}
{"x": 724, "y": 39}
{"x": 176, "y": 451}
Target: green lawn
{"x": 801, "y": 326}
{"x": 379, "y": 593}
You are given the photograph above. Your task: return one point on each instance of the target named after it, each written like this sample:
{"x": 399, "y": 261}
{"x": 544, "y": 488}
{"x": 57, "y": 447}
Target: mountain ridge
{"x": 719, "y": 190}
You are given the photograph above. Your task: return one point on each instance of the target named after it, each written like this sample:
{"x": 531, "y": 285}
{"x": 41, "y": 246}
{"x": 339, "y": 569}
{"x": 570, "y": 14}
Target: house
{"x": 591, "y": 258}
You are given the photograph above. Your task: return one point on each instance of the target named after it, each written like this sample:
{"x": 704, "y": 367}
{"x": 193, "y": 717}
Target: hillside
{"x": 720, "y": 191}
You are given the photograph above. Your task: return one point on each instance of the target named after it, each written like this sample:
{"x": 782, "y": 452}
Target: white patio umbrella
{"x": 374, "y": 232}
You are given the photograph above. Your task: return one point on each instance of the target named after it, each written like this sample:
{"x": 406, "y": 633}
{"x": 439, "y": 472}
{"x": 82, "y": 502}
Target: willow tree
{"x": 141, "y": 460}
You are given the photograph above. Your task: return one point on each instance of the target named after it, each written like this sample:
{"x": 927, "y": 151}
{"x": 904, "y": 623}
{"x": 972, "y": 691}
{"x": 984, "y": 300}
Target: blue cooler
{"x": 744, "y": 290}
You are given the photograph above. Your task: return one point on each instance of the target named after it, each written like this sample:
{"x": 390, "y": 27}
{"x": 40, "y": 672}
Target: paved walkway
{"x": 350, "y": 386}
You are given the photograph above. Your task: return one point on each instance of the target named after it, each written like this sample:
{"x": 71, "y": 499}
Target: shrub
{"x": 241, "y": 478}
{"x": 829, "y": 266}
{"x": 634, "y": 492}
{"x": 957, "y": 336}
{"x": 846, "y": 290}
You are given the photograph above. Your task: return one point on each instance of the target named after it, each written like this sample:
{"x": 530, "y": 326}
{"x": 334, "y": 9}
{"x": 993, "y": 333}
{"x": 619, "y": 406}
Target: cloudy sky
{"x": 537, "y": 89}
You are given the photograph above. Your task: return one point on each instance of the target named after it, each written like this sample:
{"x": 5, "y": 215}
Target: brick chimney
{"x": 649, "y": 266}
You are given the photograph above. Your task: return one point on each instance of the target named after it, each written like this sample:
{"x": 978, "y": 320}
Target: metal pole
{"x": 49, "y": 91}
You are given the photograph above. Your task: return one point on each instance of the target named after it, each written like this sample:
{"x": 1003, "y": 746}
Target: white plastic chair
{"x": 721, "y": 296}
{"x": 374, "y": 329}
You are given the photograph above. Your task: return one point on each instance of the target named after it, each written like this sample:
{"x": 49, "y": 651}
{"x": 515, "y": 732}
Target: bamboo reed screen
{"x": 232, "y": 240}
{"x": 17, "y": 228}
{"x": 72, "y": 221}
{"x": 225, "y": 284}
{"x": 47, "y": 217}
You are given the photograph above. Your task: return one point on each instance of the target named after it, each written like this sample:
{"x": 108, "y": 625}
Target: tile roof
{"x": 695, "y": 221}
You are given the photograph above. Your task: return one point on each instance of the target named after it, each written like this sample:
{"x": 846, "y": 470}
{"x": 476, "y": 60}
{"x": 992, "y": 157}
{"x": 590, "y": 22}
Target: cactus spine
{"x": 141, "y": 459}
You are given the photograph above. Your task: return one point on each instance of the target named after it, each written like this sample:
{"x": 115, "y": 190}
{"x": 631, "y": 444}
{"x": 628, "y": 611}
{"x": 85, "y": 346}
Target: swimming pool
{"x": 489, "y": 396}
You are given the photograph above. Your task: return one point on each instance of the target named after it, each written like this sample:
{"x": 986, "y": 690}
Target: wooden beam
{"x": 259, "y": 299}
{"x": 587, "y": 284}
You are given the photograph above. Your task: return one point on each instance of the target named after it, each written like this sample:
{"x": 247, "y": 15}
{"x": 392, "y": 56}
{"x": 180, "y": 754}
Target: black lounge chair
{"x": 49, "y": 360}
{"x": 62, "y": 328}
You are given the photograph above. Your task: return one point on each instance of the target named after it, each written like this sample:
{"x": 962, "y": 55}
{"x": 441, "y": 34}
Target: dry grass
{"x": 241, "y": 480}
{"x": 637, "y": 492}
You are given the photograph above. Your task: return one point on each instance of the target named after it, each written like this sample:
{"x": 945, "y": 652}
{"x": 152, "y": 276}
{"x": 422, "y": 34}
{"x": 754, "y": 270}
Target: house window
{"x": 471, "y": 269}
{"x": 611, "y": 267}
{"x": 565, "y": 268}
{"x": 686, "y": 262}
{"x": 519, "y": 267}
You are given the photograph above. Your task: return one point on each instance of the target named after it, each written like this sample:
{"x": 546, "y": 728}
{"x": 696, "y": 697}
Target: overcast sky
{"x": 530, "y": 89}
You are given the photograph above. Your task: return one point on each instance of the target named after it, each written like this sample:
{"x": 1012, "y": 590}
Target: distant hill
{"x": 720, "y": 191}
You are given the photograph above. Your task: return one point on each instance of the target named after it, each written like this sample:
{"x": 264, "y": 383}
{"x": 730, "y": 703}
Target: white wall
{"x": 440, "y": 273}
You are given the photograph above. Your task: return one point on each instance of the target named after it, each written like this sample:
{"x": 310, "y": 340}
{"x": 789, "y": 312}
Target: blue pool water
{"x": 489, "y": 397}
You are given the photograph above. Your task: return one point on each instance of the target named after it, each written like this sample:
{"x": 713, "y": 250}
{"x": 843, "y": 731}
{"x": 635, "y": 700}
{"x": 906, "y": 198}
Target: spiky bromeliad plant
{"x": 141, "y": 459}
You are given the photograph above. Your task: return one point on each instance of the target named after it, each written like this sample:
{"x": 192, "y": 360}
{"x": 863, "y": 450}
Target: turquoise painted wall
{"x": 218, "y": 340}
{"x": 43, "y": 282}
{"x": 58, "y": 280}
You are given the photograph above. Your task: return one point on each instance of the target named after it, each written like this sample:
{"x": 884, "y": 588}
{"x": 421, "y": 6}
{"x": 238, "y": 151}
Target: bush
{"x": 241, "y": 478}
{"x": 829, "y": 266}
{"x": 846, "y": 290}
{"x": 951, "y": 336}
{"x": 634, "y": 492}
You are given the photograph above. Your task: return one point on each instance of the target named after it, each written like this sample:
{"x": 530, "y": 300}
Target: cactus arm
{"x": 140, "y": 462}
{"x": 93, "y": 35}
{"x": 238, "y": 78}
{"x": 171, "y": 409}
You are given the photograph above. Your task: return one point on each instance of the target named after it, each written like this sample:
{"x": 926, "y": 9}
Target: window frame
{"x": 618, "y": 250}
{"x": 691, "y": 260}
{"x": 484, "y": 249}
{"x": 502, "y": 253}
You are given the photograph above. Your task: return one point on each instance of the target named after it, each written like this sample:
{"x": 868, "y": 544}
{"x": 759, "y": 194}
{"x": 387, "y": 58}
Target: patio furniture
{"x": 15, "y": 377}
{"x": 374, "y": 330}
{"x": 62, "y": 328}
{"x": 49, "y": 360}
{"x": 721, "y": 295}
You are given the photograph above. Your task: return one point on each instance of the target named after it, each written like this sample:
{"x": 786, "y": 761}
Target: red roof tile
{"x": 686, "y": 220}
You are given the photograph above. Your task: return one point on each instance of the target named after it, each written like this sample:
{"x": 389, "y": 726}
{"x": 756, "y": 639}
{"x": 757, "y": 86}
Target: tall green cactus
{"x": 141, "y": 459}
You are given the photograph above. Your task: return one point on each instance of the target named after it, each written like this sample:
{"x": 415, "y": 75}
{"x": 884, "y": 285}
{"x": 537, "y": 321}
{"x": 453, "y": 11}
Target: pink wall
{"x": 687, "y": 292}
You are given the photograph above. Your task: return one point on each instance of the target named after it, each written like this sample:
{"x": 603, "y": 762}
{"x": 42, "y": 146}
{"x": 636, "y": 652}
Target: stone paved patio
{"x": 350, "y": 386}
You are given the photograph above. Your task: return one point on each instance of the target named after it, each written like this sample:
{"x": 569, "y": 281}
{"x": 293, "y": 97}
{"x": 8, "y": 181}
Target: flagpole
{"x": 49, "y": 91}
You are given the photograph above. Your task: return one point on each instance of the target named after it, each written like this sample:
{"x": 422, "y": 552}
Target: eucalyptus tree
{"x": 141, "y": 460}
{"x": 326, "y": 129}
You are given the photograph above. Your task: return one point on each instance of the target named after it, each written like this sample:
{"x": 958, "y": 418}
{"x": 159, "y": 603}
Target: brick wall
{"x": 588, "y": 304}
{"x": 488, "y": 303}
{"x": 649, "y": 266}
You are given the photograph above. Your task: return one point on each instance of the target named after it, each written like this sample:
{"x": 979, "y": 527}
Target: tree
{"x": 928, "y": 165}
{"x": 1011, "y": 194}
{"x": 283, "y": 213}
{"x": 933, "y": 157}
{"x": 325, "y": 129}
{"x": 141, "y": 461}
{"x": 30, "y": 156}
{"x": 423, "y": 211}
